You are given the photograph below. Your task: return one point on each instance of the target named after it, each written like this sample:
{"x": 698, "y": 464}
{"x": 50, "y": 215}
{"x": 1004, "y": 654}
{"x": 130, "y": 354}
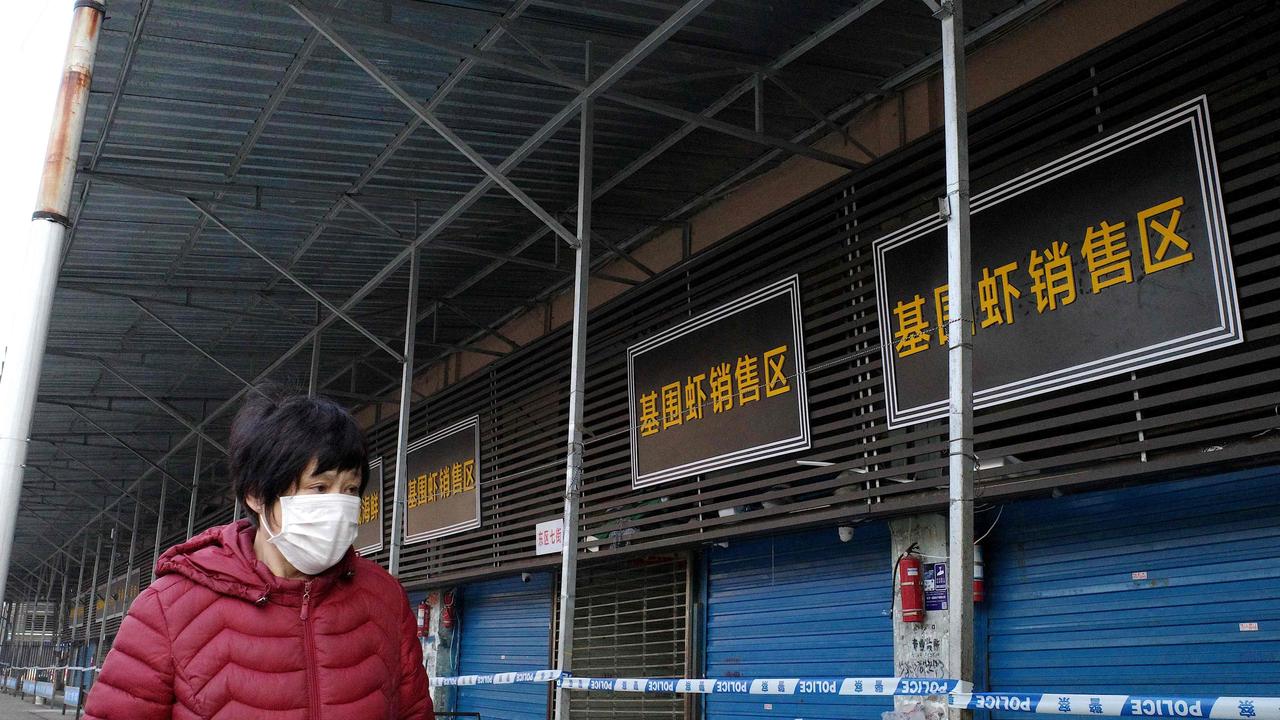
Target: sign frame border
{"x": 382, "y": 535}
{"x": 803, "y": 441}
{"x": 1230, "y": 330}
{"x": 474, "y": 423}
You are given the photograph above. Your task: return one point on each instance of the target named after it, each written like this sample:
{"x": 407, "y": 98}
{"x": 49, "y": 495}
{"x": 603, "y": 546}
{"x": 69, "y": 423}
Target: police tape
{"x": 771, "y": 686}
{"x": 959, "y": 694}
{"x": 1161, "y": 706}
{"x": 533, "y": 676}
{"x": 52, "y": 668}
{"x": 720, "y": 686}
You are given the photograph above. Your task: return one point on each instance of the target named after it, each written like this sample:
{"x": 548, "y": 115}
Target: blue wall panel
{"x": 506, "y": 627}
{"x": 1071, "y": 610}
{"x": 800, "y": 605}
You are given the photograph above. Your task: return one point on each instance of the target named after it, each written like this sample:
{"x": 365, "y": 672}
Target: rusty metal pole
{"x": 38, "y": 274}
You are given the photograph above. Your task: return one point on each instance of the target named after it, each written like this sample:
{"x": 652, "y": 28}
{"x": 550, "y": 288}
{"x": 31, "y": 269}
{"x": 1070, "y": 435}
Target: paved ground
{"x": 11, "y": 708}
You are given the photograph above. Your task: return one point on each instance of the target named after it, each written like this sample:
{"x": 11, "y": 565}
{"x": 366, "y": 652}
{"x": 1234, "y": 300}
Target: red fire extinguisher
{"x": 911, "y": 587}
{"x": 424, "y": 619}
{"x": 979, "y": 585}
{"x": 446, "y": 614}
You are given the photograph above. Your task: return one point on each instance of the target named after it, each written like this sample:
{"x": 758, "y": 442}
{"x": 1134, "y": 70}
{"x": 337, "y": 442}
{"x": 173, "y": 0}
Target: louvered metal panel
{"x": 506, "y": 627}
{"x": 1148, "y": 590}
{"x": 800, "y": 605}
{"x": 632, "y": 620}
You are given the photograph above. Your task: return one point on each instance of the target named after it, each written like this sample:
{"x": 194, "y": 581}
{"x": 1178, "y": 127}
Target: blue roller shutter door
{"x": 1152, "y": 589}
{"x": 505, "y": 627}
{"x": 802, "y": 605}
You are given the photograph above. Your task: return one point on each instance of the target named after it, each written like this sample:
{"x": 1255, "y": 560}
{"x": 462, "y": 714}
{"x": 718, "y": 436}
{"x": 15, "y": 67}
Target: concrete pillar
{"x": 920, "y": 649}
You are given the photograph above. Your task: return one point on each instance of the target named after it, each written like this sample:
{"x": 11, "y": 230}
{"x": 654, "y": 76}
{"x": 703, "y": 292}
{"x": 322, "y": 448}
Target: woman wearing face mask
{"x": 273, "y": 617}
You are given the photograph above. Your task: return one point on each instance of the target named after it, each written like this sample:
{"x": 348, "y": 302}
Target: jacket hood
{"x": 222, "y": 559}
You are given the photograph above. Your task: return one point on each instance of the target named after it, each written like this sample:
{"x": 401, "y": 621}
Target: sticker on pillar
{"x": 549, "y": 537}
{"x": 935, "y": 587}
{"x": 442, "y": 493}
{"x": 369, "y": 532}
{"x": 722, "y": 389}
{"x": 1107, "y": 260}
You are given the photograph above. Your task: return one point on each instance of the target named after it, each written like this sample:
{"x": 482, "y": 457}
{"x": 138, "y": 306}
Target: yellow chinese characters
{"x": 370, "y": 507}
{"x": 723, "y": 388}
{"x": 1159, "y": 258}
{"x": 1050, "y": 274}
{"x": 454, "y": 479}
{"x": 912, "y": 335}
{"x": 996, "y": 294}
{"x": 1053, "y": 281}
{"x": 1106, "y": 254}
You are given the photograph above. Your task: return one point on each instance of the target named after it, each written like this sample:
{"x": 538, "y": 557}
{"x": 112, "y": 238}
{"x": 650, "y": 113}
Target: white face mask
{"x": 315, "y": 530}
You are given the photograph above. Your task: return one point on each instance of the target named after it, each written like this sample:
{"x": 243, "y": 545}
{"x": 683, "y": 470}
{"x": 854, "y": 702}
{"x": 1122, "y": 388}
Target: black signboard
{"x": 442, "y": 496}
{"x": 1110, "y": 259}
{"x": 369, "y": 531}
{"x": 722, "y": 389}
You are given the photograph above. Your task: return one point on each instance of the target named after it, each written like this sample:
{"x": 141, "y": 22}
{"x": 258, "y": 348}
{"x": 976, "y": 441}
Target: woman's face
{"x": 312, "y": 483}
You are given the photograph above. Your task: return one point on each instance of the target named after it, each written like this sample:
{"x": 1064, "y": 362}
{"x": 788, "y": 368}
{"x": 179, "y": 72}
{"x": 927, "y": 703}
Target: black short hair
{"x": 275, "y": 436}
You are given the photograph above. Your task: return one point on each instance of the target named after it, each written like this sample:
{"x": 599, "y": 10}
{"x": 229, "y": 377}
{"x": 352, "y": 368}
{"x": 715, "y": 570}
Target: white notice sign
{"x": 550, "y": 537}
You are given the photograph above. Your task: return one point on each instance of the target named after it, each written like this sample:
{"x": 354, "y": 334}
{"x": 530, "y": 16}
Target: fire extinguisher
{"x": 979, "y": 585}
{"x": 424, "y": 619}
{"x": 910, "y": 586}
{"x": 446, "y": 614}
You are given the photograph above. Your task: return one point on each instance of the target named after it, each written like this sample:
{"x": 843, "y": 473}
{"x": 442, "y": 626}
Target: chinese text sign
{"x": 549, "y": 537}
{"x": 442, "y": 494}
{"x": 722, "y": 389}
{"x": 369, "y": 531}
{"x": 1110, "y": 259}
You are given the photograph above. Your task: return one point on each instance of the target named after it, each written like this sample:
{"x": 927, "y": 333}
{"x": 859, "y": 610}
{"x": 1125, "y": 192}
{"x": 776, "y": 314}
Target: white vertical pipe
{"x": 960, "y": 351}
{"x": 38, "y": 275}
{"x": 577, "y": 393}
{"x": 402, "y": 433}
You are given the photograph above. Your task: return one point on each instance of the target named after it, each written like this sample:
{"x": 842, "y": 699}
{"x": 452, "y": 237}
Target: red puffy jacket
{"x": 218, "y": 636}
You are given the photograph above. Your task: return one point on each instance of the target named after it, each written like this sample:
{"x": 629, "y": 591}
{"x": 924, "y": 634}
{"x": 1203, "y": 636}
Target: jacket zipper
{"x": 313, "y": 682}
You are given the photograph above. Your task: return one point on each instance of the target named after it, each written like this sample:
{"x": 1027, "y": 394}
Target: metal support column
{"x": 88, "y": 621}
{"x": 62, "y": 602}
{"x": 960, "y": 351}
{"x": 133, "y": 549}
{"x": 164, "y": 493}
{"x": 84, "y": 556}
{"x": 398, "y": 508}
{"x": 195, "y": 491}
{"x": 33, "y": 609}
{"x": 93, "y": 594}
{"x": 313, "y": 383}
{"x": 38, "y": 274}
{"x": 577, "y": 391}
{"x": 106, "y": 597}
